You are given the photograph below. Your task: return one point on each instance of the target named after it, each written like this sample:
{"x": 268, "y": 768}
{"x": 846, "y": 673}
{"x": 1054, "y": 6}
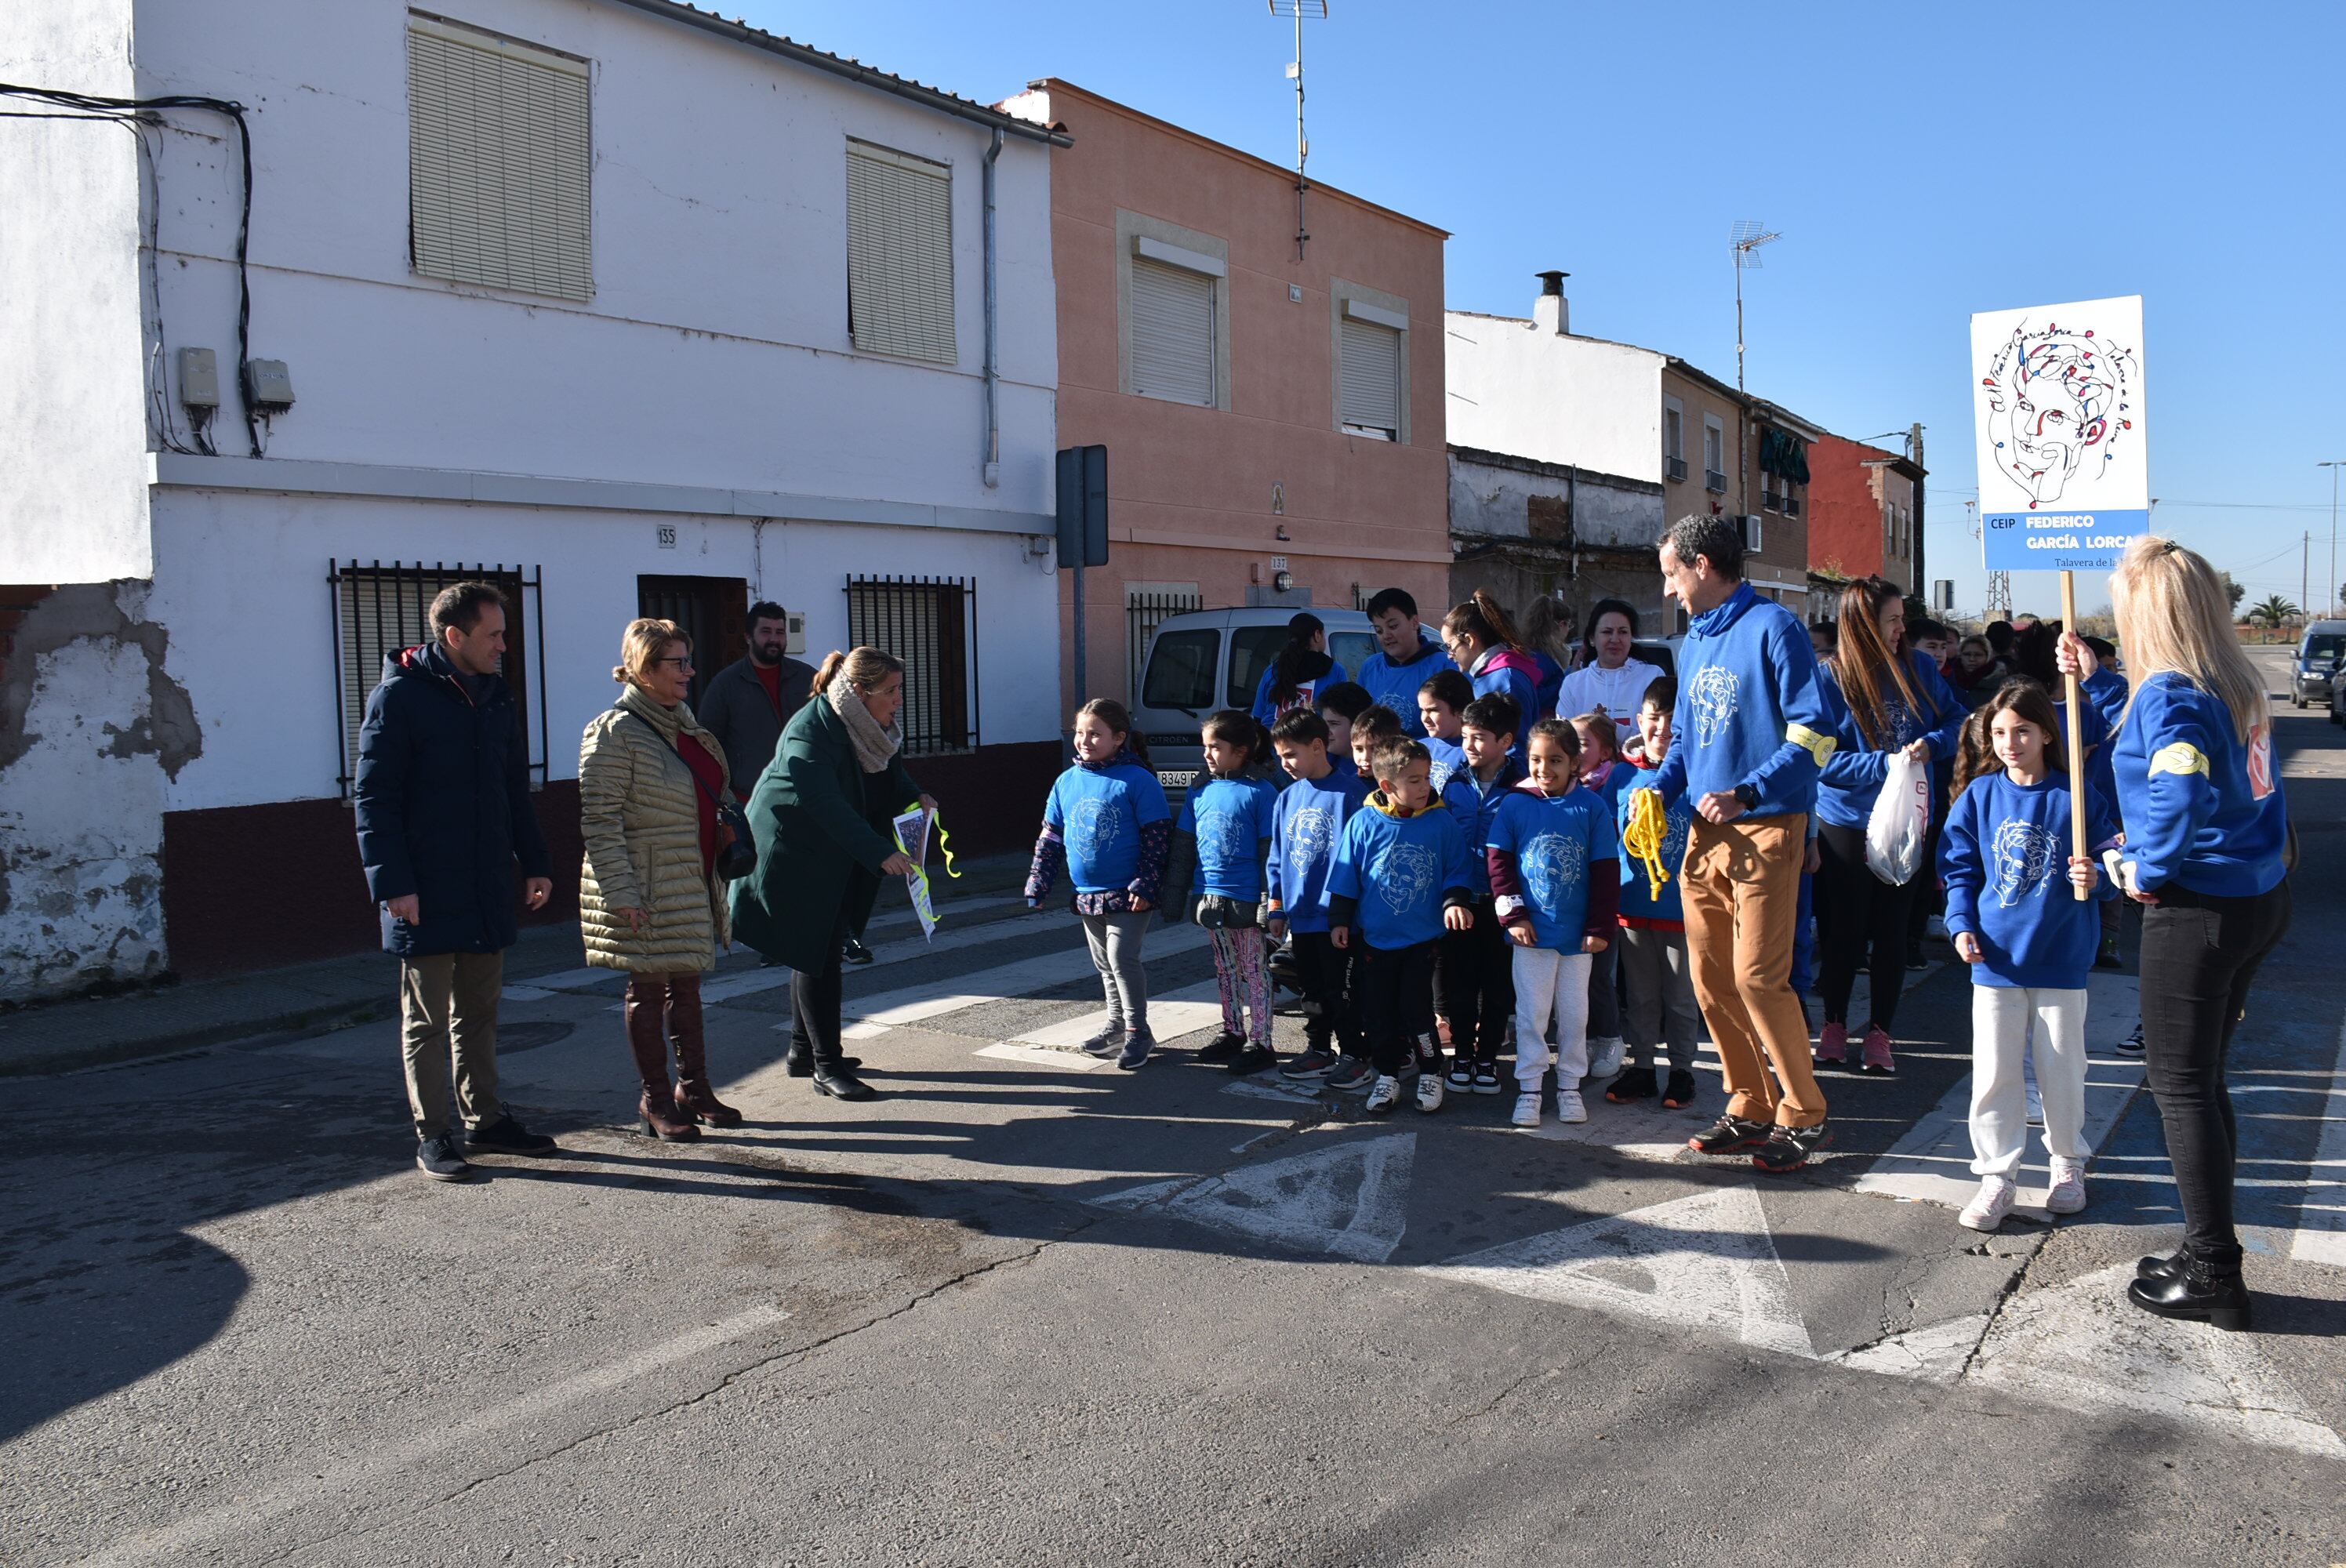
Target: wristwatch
{"x": 1748, "y": 795}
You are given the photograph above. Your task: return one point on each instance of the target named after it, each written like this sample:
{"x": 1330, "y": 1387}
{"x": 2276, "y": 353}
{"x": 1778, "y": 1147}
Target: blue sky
{"x": 1922, "y": 162}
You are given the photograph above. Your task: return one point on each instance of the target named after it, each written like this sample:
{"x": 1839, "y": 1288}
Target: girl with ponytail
{"x": 1485, "y": 643}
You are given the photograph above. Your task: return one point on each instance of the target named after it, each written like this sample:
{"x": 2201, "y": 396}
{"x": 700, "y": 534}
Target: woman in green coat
{"x": 821, "y": 815}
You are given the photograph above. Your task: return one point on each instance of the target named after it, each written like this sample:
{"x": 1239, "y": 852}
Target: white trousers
{"x": 2001, "y": 1047}
{"x": 1549, "y": 983}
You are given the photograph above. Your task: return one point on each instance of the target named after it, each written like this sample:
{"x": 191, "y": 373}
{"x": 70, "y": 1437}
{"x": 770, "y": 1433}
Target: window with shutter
{"x": 500, "y": 157}
{"x": 1369, "y": 378}
{"x": 900, "y": 279}
{"x": 1172, "y": 332}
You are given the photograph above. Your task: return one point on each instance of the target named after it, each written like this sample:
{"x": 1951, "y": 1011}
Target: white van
{"x": 1201, "y": 660}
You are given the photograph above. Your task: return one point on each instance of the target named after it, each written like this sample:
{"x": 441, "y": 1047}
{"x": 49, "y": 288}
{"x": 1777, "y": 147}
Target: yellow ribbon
{"x": 1649, "y": 825}
{"x": 937, "y": 820}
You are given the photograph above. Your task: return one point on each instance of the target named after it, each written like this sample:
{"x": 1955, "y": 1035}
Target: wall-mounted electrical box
{"x": 268, "y": 385}
{"x": 198, "y": 379}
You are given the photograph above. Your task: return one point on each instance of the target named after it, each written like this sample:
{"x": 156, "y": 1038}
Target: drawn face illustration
{"x": 1092, "y": 825}
{"x": 1405, "y": 876}
{"x": 1310, "y": 832}
{"x": 2024, "y": 861}
{"x": 2055, "y": 406}
{"x": 1222, "y": 838}
{"x": 1713, "y": 693}
{"x": 1553, "y": 865}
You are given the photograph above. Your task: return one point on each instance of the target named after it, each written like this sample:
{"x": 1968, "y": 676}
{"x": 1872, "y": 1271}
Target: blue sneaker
{"x": 1109, "y": 1041}
{"x": 1137, "y": 1047}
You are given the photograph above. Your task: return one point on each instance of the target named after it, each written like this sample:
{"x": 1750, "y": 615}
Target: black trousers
{"x": 1860, "y": 923}
{"x": 2199, "y": 956}
{"x": 1475, "y": 975}
{"x": 1330, "y": 978}
{"x": 814, "y": 1007}
{"x": 1396, "y": 1001}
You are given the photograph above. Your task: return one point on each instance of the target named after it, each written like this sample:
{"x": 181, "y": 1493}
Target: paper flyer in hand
{"x": 913, "y": 838}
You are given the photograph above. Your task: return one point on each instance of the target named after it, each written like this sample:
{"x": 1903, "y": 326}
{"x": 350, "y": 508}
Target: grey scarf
{"x": 873, "y": 745}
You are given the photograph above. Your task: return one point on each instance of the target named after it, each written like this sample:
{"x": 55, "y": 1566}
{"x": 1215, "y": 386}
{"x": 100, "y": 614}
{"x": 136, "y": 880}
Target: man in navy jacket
{"x": 444, "y": 813}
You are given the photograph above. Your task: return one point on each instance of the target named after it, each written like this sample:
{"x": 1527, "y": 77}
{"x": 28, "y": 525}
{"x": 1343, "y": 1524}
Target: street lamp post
{"x": 2328, "y": 594}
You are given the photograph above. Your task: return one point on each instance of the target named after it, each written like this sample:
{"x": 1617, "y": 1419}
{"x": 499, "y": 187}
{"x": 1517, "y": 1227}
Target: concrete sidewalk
{"x": 329, "y": 993}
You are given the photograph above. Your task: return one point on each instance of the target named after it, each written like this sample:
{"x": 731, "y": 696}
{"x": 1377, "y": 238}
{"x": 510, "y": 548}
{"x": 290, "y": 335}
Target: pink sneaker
{"x": 1877, "y": 1052}
{"x": 1832, "y": 1045}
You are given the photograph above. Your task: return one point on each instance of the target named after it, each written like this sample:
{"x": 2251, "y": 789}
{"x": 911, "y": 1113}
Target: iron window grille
{"x": 379, "y": 609}
{"x": 1678, "y": 468}
{"x": 1143, "y": 613}
{"x": 1714, "y": 480}
{"x": 930, "y": 623}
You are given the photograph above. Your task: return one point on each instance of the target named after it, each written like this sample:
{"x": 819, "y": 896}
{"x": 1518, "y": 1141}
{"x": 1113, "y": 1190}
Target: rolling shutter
{"x": 1172, "y": 332}
{"x": 899, "y": 284}
{"x": 1369, "y": 379}
{"x": 500, "y": 154}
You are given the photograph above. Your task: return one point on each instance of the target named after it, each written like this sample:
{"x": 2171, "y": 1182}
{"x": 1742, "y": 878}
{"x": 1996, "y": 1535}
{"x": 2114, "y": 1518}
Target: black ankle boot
{"x": 2159, "y": 1265}
{"x": 2197, "y": 1292}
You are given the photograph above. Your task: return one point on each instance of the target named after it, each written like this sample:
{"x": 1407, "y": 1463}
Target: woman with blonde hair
{"x": 650, "y": 901}
{"x": 822, "y": 815}
{"x": 1547, "y": 630}
{"x": 2208, "y": 854}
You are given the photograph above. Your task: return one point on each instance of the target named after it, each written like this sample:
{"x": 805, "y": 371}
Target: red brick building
{"x": 1862, "y": 518}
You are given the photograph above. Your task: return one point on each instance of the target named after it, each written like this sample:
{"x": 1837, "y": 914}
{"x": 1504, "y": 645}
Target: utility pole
{"x": 2329, "y": 594}
{"x": 2304, "y": 569}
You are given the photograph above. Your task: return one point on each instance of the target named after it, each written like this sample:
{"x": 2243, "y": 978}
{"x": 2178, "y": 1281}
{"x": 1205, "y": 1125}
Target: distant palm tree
{"x": 2274, "y": 610}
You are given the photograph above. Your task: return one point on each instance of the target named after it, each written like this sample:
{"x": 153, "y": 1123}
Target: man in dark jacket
{"x": 746, "y": 703}
{"x": 444, "y": 813}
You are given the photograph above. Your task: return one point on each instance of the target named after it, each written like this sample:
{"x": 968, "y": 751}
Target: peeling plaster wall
{"x": 92, "y": 731}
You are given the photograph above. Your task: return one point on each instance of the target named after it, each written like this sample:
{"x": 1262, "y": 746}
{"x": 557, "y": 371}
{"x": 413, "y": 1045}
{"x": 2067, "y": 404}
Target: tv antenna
{"x": 1301, "y": 10}
{"x": 1748, "y": 235}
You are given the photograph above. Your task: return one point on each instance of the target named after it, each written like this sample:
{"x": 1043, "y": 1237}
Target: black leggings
{"x": 2199, "y": 957}
{"x": 1857, "y": 910}
{"x": 1477, "y": 971}
{"x": 1396, "y": 1001}
{"x": 1330, "y": 976}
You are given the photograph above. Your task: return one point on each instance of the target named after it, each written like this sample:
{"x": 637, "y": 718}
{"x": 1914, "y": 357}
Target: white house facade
{"x": 630, "y": 308}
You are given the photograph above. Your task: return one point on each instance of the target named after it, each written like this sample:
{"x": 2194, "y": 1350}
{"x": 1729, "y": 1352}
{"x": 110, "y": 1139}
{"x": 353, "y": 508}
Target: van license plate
{"x": 1177, "y": 779}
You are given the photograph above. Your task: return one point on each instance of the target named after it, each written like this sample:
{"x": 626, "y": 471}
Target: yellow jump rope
{"x": 1649, "y": 826}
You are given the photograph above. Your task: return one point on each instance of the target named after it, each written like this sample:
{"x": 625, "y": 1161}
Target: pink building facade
{"x": 1264, "y": 413}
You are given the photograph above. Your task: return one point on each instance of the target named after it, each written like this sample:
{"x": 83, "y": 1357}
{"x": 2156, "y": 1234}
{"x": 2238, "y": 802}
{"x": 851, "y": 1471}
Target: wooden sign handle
{"x": 2075, "y": 695}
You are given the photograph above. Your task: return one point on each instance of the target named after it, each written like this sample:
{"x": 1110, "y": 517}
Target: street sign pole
{"x": 1083, "y": 536}
{"x": 2076, "y": 752}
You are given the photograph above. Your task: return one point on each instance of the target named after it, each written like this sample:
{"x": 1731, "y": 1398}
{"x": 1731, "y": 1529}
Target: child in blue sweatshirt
{"x": 1108, "y": 823}
{"x": 2005, "y": 856}
{"x": 1218, "y": 844}
{"x": 1654, "y": 964}
{"x": 1551, "y": 854}
{"x": 1402, "y": 875}
{"x": 1603, "y": 770}
{"x": 1476, "y": 979}
{"x": 1306, "y": 825}
{"x": 1440, "y": 708}
{"x": 1406, "y": 654}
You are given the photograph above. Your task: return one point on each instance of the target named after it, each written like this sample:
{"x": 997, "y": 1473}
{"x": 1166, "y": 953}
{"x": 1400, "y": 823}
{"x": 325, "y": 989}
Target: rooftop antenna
{"x": 1314, "y": 10}
{"x": 1748, "y": 235}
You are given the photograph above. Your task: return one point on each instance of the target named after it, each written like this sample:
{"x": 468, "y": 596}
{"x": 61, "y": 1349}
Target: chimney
{"x": 1551, "y": 312}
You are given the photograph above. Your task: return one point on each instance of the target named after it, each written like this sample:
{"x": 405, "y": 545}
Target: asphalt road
{"x": 1024, "y": 1309}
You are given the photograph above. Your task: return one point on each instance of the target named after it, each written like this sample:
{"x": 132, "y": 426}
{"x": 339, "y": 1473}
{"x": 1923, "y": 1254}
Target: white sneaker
{"x": 1527, "y": 1111}
{"x": 1568, "y": 1107}
{"x": 1383, "y": 1096}
{"x": 2035, "y": 1107}
{"x": 2067, "y": 1194}
{"x": 1987, "y": 1209}
{"x": 1429, "y": 1091}
{"x": 1605, "y": 1058}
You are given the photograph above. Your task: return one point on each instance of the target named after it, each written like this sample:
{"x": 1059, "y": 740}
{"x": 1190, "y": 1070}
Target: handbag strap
{"x": 714, "y": 798}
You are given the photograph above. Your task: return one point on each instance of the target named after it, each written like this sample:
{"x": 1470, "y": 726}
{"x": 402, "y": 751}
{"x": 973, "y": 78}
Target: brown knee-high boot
{"x": 694, "y": 1096}
{"x": 647, "y": 999}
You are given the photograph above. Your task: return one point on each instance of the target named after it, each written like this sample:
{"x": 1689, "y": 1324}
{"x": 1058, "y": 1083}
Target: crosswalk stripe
{"x": 749, "y": 983}
{"x": 869, "y": 1015}
{"x": 1170, "y": 1016}
{"x": 2321, "y": 1236}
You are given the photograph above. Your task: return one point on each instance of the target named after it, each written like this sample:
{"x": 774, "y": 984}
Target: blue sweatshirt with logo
{"x": 1449, "y": 760}
{"x": 1639, "y": 906}
{"x": 1098, "y": 813}
{"x": 2201, "y": 807}
{"x": 1306, "y": 824}
{"x": 2003, "y": 853}
{"x": 1395, "y": 684}
{"x": 1749, "y": 708}
{"x": 1553, "y": 862}
{"x": 1395, "y": 869}
{"x": 1850, "y": 780}
{"x": 1229, "y": 818}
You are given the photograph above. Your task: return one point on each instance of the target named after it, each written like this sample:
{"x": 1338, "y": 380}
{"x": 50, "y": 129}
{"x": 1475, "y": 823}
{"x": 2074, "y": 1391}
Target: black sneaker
{"x": 1253, "y": 1059}
{"x": 1137, "y": 1047}
{"x": 1316, "y": 1062}
{"x": 2107, "y": 956}
{"x": 1915, "y": 961}
{"x": 1730, "y": 1135}
{"x": 1486, "y": 1077}
{"x": 1637, "y": 1083}
{"x": 437, "y": 1157}
{"x": 2132, "y": 1044}
{"x": 1789, "y": 1149}
{"x": 1680, "y": 1091}
{"x": 507, "y": 1136}
{"x": 1223, "y": 1046}
{"x": 854, "y": 951}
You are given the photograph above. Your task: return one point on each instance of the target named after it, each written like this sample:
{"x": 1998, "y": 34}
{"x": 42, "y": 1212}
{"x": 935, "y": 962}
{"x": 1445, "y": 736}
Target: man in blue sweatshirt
{"x": 1407, "y": 655}
{"x": 1752, "y": 731}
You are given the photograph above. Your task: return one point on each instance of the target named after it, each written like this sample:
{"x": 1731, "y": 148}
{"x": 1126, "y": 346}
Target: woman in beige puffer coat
{"x": 649, "y": 900}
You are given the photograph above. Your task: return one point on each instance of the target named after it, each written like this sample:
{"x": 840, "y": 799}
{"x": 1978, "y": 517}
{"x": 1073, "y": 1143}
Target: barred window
{"x": 380, "y": 608}
{"x": 1144, "y": 609}
{"x": 930, "y": 623}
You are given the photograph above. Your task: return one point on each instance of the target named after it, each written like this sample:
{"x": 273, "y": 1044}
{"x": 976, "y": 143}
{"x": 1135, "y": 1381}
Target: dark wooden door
{"x": 714, "y": 613}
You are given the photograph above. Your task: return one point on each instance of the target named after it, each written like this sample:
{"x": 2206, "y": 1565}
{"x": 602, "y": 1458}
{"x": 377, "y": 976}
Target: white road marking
{"x": 1936, "y": 1354}
{"x": 1270, "y": 1089}
{"x": 2322, "y": 1227}
{"x": 1705, "y": 1262}
{"x": 1170, "y": 1016}
{"x": 1350, "y": 1198}
{"x": 1042, "y": 1056}
{"x": 749, "y": 981}
{"x": 1933, "y": 1162}
{"x": 367, "y": 1477}
{"x": 934, "y": 999}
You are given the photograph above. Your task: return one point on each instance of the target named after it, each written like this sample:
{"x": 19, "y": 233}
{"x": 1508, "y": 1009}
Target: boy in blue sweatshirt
{"x": 1406, "y": 654}
{"x": 1752, "y": 731}
{"x": 1402, "y": 875}
{"x": 1441, "y": 710}
{"x": 1474, "y": 977}
{"x": 1654, "y": 964}
{"x": 1306, "y": 825}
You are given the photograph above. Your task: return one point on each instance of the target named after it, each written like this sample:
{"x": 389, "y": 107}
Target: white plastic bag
{"x": 1900, "y": 821}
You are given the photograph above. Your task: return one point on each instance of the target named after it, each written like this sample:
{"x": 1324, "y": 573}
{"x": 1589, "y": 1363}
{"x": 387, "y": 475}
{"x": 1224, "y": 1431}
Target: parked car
{"x": 1200, "y": 660}
{"x": 2317, "y": 658}
{"x": 2338, "y": 688}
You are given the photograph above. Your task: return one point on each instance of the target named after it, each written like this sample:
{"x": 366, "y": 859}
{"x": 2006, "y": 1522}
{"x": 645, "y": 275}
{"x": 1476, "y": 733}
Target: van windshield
{"x": 2323, "y": 648}
{"x": 1181, "y": 671}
